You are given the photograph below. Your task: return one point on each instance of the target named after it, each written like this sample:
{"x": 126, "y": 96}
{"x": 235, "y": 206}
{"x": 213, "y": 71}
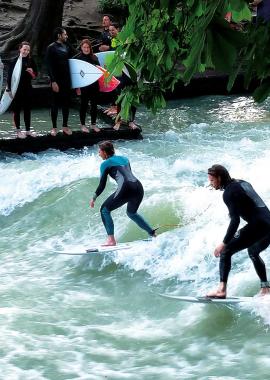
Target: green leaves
{"x": 165, "y": 40}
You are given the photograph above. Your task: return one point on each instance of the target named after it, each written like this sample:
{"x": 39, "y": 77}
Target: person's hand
{"x": 55, "y": 87}
{"x": 78, "y": 91}
{"x": 219, "y": 249}
{"x": 92, "y": 203}
{"x": 31, "y": 72}
{"x": 104, "y": 47}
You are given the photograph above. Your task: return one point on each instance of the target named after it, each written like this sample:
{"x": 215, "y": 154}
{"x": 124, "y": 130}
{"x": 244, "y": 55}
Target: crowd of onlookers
{"x": 57, "y": 55}
{"x": 57, "y": 58}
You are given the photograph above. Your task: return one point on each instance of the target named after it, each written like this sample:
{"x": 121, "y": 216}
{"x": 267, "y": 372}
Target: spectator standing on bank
{"x": 89, "y": 93}
{"x": 23, "y": 97}
{"x": 57, "y": 56}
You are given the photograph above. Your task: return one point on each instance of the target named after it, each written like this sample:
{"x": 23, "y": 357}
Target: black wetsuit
{"x": 89, "y": 93}
{"x": 243, "y": 202}
{"x": 23, "y": 96}
{"x": 105, "y": 37}
{"x": 58, "y": 68}
{"x": 130, "y": 191}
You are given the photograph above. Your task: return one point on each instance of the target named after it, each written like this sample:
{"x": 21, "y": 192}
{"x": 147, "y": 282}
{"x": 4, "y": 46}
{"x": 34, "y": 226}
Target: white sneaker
{"x": 20, "y": 134}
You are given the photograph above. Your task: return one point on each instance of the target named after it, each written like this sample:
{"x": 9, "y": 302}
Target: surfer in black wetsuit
{"x": 91, "y": 92}
{"x": 105, "y": 38}
{"x": 130, "y": 191}
{"x": 23, "y": 97}
{"x": 242, "y": 202}
{"x": 57, "y": 56}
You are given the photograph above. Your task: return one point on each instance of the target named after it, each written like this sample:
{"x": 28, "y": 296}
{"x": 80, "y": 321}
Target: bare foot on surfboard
{"x": 216, "y": 294}
{"x": 110, "y": 242}
{"x": 264, "y": 292}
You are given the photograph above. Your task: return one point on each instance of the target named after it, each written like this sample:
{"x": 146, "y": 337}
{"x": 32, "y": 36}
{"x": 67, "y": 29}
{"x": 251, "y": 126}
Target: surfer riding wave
{"x": 129, "y": 190}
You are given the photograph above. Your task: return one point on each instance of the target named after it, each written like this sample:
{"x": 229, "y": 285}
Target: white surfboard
{"x": 103, "y": 249}
{"x": 228, "y": 300}
{"x": 83, "y": 73}
{"x": 15, "y": 79}
{"x": 105, "y": 58}
{"x": 1, "y": 74}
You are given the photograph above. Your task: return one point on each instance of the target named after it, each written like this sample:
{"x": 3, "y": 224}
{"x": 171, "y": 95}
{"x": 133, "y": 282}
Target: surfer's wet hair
{"x": 221, "y": 172}
{"x": 107, "y": 147}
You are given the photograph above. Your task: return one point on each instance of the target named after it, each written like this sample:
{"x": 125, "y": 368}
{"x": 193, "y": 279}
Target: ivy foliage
{"x": 168, "y": 40}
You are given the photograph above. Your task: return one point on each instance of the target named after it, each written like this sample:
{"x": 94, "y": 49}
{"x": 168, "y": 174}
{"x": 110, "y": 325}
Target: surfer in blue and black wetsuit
{"x": 242, "y": 202}
{"x": 130, "y": 191}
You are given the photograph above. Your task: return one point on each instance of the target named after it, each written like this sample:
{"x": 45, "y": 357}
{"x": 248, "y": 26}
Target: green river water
{"x": 101, "y": 317}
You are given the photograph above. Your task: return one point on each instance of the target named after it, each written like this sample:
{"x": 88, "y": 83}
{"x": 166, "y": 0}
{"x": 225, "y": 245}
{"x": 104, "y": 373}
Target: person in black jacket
{"x": 88, "y": 93}
{"x": 57, "y": 56}
{"x": 23, "y": 97}
{"x": 105, "y": 38}
{"x": 242, "y": 202}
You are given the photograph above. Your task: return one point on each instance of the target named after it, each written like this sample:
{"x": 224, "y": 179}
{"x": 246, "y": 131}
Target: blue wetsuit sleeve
{"x": 235, "y": 218}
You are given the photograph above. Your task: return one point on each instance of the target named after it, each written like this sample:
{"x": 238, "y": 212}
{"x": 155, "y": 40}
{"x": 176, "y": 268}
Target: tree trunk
{"x": 37, "y": 26}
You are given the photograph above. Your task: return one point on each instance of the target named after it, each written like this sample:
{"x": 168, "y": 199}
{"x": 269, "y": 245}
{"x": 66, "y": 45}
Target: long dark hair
{"x": 221, "y": 172}
{"x": 107, "y": 147}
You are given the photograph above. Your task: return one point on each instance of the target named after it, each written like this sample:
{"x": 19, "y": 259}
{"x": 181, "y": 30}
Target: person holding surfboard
{"x": 22, "y": 98}
{"x": 242, "y": 202}
{"x": 89, "y": 93}
{"x": 57, "y": 56}
{"x": 129, "y": 191}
